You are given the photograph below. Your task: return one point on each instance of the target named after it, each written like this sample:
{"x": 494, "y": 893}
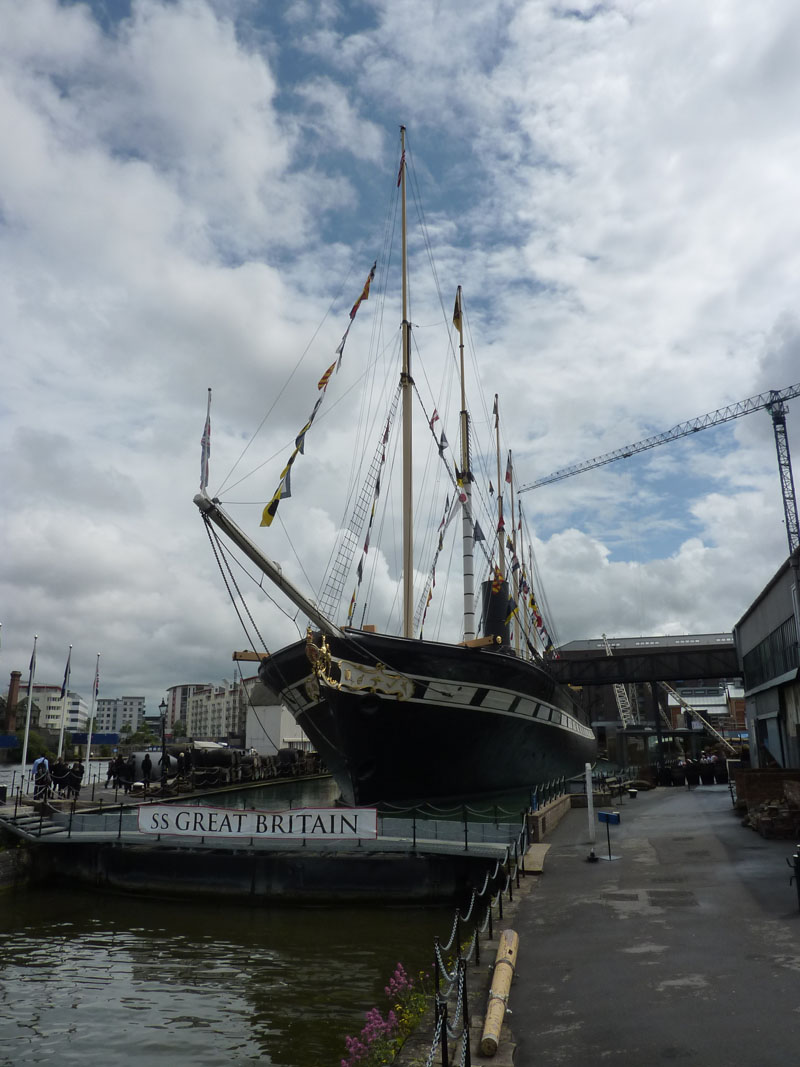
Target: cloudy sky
{"x": 192, "y": 194}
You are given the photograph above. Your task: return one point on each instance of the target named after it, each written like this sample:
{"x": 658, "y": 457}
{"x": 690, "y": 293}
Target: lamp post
{"x": 162, "y": 707}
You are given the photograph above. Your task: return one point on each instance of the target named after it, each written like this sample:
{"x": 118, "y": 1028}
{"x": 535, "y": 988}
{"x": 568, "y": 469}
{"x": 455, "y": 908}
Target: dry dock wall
{"x": 14, "y": 867}
{"x": 263, "y": 877}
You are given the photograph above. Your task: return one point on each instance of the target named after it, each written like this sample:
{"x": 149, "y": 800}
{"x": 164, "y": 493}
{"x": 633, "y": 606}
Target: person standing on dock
{"x": 59, "y": 776}
{"x": 42, "y": 761}
{"x": 41, "y": 778}
{"x": 75, "y": 779}
{"x": 147, "y": 768}
{"x": 129, "y": 773}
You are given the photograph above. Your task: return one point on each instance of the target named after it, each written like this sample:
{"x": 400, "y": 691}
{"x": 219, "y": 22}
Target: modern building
{"x": 113, "y": 713}
{"x": 51, "y": 708}
{"x": 211, "y": 712}
{"x": 767, "y": 643}
{"x": 178, "y": 697}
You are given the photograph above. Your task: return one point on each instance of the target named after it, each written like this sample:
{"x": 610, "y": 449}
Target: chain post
{"x": 445, "y": 1060}
{"x": 795, "y": 863}
{"x": 465, "y": 1015}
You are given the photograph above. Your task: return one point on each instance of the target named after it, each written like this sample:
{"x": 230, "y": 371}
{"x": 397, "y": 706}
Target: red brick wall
{"x": 754, "y": 786}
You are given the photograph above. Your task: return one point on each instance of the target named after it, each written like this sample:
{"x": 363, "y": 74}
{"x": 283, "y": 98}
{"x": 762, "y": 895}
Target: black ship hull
{"x": 402, "y": 721}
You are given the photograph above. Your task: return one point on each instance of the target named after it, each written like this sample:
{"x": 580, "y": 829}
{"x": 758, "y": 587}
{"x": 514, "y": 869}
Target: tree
{"x": 37, "y": 746}
{"x": 179, "y": 728}
{"x": 144, "y": 736}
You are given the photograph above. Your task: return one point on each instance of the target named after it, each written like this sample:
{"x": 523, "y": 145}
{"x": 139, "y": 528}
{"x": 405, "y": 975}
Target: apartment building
{"x": 113, "y": 713}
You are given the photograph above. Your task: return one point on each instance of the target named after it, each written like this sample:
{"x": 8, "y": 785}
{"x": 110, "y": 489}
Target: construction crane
{"x": 694, "y": 712}
{"x": 621, "y": 696}
{"x": 773, "y": 401}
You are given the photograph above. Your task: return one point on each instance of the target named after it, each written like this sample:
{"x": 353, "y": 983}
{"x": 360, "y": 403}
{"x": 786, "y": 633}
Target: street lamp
{"x": 162, "y": 707}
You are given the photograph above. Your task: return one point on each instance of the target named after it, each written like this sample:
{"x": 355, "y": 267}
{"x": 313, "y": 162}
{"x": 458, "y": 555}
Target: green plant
{"x": 382, "y": 1038}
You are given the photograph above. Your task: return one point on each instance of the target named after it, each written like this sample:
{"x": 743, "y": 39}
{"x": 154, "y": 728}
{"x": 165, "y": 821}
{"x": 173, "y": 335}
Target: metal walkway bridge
{"x": 647, "y": 659}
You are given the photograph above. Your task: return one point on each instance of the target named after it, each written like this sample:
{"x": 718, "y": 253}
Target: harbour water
{"x": 89, "y": 978}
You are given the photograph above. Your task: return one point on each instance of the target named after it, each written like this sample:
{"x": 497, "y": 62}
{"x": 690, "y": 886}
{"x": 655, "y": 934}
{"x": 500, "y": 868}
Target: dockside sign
{"x": 320, "y": 823}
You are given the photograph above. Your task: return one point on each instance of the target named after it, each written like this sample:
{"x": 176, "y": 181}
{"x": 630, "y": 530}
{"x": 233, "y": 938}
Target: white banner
{"x": 322, "y": 823}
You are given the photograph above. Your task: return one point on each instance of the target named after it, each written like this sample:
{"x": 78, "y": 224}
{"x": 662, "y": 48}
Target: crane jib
{"x": 772, "y": 401}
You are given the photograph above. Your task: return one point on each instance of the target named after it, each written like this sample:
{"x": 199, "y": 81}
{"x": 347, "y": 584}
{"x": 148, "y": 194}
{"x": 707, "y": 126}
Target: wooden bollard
{"x": 504, "y": 966}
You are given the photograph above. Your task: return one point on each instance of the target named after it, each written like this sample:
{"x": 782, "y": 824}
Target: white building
{"x": 48, "y": 699}
{"x": 234, "y": 710}
{"x": 112, "y": 713}
{"x": 210, "y": 712}
{"x": 270, "y": 726}
{"x": 178, "y": 697}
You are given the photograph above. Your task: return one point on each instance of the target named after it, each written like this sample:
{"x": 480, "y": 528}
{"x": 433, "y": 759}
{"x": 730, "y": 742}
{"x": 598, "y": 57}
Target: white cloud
{"x": 194, "y": 193}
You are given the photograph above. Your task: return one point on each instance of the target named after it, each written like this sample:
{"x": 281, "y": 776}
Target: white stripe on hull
{"x": 437, "y": 693}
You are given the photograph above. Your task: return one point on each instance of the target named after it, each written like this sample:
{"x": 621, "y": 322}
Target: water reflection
{"x": 98, "y": 979}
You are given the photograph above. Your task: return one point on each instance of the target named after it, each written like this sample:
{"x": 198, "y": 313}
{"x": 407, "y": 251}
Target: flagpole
{"x": 64, "y": 697}
{"x": 31, "y": 675}
{"x": 95, "y": 687}
{"x": 407, "y": 383}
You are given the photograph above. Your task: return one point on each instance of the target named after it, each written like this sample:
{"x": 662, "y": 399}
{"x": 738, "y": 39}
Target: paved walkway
{"x": 684, "y": 949}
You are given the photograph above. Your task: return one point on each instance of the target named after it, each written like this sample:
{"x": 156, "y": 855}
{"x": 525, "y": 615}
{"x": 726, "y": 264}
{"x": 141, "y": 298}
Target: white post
{"x": 590, "y": 803}
{"x": 31, "y": 676}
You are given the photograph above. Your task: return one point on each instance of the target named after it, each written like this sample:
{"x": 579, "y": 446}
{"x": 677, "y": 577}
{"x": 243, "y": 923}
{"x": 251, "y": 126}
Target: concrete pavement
{"x": 685, "y": 949}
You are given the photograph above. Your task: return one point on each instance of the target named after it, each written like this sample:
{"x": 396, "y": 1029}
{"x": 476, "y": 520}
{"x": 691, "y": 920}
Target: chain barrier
{"x": 452, "y": 932}
{"x": 437, "y": 1036}
{"x": 511, "y": 866}
{"x": 452, "y": 1031}
{"x": 457, "y": 1028}
{"x": 466, "y": 918}
{"x": 450, "y": 976}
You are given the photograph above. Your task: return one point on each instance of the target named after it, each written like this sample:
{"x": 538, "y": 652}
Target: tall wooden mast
{"x": 467, "y": 527}
{"x": 406, "y": 382}
{"x": 501, "y": 546}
